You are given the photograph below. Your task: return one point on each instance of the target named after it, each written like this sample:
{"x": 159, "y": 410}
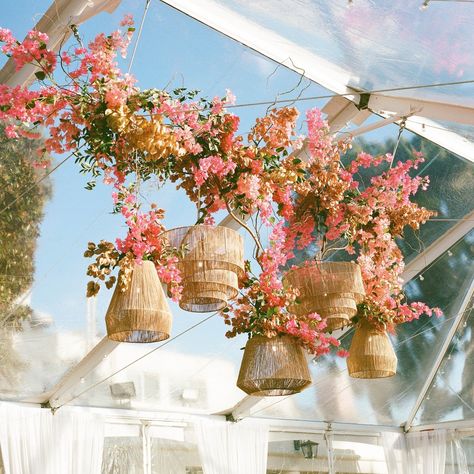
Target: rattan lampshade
{"x": 371, "y": 355}
{"x": 213, "y": 258}
{"x": 331, "y": 289}
{"x": 141, "y": 312}
{"x": 273, "y": 367}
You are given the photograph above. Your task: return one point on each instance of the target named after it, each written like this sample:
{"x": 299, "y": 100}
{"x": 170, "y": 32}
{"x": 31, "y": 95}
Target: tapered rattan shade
{"x": 273, "y": 367}
{"x": 141, "y": 312}
{"x": 331, "y": 289}
{"x": 371, "y": 355}
{"x": 211, "y": 262}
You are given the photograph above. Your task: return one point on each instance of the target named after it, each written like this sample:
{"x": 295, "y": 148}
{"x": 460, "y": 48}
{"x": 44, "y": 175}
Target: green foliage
{"x": 19, "y": 224}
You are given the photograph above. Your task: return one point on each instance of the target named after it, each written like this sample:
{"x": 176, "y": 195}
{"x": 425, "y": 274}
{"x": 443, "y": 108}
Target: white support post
{"x": 146, "y": 447}
{"x": 328, "y": 438}
{"x": 439, "y": 358}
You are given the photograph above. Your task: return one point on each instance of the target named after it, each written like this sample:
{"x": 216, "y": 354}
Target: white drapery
{"x": 232, "y": 448}
{"x": 427, "y": 452}
{"x": 395, "y": 450}
{"x": 34, "y": 441}
{"x": 415, "y": 453}
{"x": 456, "y": 459}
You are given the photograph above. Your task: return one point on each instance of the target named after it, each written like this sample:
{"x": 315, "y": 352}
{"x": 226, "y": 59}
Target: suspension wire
{"x": 400, "y": 131}
{"x": 355, "y": 92}
{"x": 139, "y": 35}
{"x": 35, "y": 183}
{"x": 182, "y": 333}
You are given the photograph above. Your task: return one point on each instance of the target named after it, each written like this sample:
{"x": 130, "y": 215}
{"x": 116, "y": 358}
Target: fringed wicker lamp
{"x": 371, "y": 355}
{"x": 331, "y": 289}
{"x": 141, "y": 312}
{"x": 273, "y": 367}
{"x": 212, "y": 260}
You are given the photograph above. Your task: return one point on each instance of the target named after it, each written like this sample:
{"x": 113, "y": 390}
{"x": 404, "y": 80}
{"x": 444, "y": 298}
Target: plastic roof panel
{"x": 382, "y": 44}
{"x": 368, "y": 46}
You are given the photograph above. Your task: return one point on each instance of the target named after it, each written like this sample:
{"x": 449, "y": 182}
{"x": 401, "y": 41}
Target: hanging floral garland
{"x": 126, "y": 136}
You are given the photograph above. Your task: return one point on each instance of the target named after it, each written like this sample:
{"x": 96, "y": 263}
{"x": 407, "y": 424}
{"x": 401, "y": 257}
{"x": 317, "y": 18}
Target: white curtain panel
{"x": 415, "y": 453}
{"x": 456, "y": 459}
{"x": 232, "y": 448}
{"x": 427, "y": 452}
{"x": 34, "y": 441}
{"x": 395, "y": 449}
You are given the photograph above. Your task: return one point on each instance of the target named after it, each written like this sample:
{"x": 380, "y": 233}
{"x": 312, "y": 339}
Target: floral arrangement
{"x": 126, "y": 135}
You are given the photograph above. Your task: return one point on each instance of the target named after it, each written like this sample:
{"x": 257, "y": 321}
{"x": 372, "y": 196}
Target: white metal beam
{"x": 340, "y": 111}
{"x": 438, "y": 247}
{"x": 438, "y": 134}
{"x": 62, "y": 391}
{"x": 466, "y": 298}
{"x": 458, "y": 425}
{"x": 436, "y": 110}
{"x": 56, "y": 24}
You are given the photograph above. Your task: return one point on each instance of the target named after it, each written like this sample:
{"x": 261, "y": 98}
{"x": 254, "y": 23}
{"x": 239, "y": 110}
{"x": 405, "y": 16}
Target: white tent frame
{"x": 340, "y": 111}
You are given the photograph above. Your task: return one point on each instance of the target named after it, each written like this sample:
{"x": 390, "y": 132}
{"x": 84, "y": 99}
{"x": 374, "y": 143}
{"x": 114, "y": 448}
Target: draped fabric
{"x": 232, "y": 448}
{"x": 456, "y": 456}
{"x": 415, "y": 453}
{"x": 34, "y": 441}
{"x": 123, "y": 455}
{"x": 427, "y": 452}
{"x": 395, "y": 449}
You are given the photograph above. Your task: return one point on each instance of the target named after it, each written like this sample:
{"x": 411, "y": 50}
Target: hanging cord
{"x": 400, "y": 131}
{"x": 140, "y": 29}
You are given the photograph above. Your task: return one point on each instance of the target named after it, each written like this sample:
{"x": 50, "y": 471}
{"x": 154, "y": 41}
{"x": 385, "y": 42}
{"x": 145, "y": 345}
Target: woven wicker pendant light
{"x": 273, "y": 367}
{"x": 371, "y": 355}
{"x": 331, "y": 289}
{"x": 141, "y": 312}
{"x": 212, "y": 260}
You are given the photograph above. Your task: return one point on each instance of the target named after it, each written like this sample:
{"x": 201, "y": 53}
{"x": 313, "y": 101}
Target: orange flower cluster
{"x": 106, "y": 258}
{"x": 149, "y": 137}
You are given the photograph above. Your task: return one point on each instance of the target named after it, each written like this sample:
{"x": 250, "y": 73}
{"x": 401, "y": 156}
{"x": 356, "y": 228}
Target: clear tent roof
{"x": 369, "y": 46}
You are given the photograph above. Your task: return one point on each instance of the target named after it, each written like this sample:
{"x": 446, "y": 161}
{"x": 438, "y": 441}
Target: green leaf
{"x": 41, "y": 75}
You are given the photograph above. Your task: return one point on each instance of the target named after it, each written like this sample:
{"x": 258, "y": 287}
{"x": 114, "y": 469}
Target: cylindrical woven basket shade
{"x": 371, "y": 355}
{"x": 273, "y": 367}
{"x": 213, "y": 259}
{"x": 141, "y": 312}
{"x": 331, "y": 289}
